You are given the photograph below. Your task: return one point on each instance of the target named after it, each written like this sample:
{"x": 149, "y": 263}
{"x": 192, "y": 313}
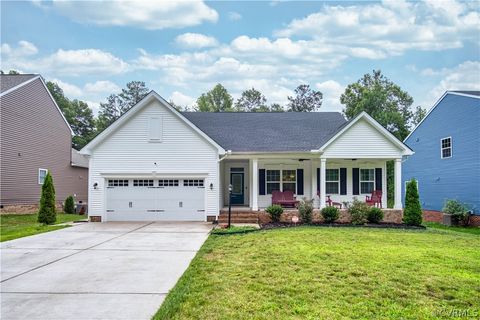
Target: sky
{"x": 183, "y": 48}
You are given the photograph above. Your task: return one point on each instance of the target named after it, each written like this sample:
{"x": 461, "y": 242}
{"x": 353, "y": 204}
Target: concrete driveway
{"x": 117, "y": 270}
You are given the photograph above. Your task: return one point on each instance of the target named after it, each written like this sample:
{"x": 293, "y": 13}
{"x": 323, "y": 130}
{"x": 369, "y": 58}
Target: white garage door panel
{"x": 168, "y": 203}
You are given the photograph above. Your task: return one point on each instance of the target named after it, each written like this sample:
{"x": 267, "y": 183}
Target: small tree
{"x": 47, "y": 214}
{"x": 305, "y": 209}
{"x": 412, "y": 214}
{"x": 69, "y": 206}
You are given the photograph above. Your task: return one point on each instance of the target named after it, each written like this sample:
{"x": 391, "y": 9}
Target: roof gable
{"x": 152, "y": 96}
{"x": 467, "y": 94}
{"x": 364, "y": 136}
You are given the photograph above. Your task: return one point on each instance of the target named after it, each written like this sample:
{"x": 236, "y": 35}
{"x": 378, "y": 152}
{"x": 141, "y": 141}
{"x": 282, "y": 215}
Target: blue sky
{"x": 181, "y": 49}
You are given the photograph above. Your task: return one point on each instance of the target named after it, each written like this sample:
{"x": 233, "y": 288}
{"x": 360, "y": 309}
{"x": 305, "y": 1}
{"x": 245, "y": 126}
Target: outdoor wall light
{"x": 95, "y": 186}
{"x": 211, "y": 186}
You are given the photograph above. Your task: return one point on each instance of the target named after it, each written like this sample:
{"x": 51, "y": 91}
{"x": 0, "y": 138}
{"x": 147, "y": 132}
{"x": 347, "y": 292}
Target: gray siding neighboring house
{"x": 34, "y": 135}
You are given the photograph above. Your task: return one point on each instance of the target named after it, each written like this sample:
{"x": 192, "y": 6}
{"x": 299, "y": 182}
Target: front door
{"x": 236, "y": 179}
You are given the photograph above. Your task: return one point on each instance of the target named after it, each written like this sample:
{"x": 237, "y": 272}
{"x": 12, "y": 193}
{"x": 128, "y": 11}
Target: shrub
{"x": 69, "y": 206}
{"x": 275, "y": 211}
{"x": 47, "y": 214}
{"x": 330, "y": 214}
{"x": 412, "y": 214}
{"x": 375, "y": 215}
{"x": 458, "y": 210}
{"x": 358, "y": 211}
{"x": 305, "y": 210}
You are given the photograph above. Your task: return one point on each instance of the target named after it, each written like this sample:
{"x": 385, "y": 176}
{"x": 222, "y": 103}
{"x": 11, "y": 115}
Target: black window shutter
{"x": 318, "y": 180}
{"x": 356, "y": 181}
{"x": 378, "y": 178}
{"x": 261, "y": 182}
{"x": 343, "y": 181}
{"x": 300, "y": 182}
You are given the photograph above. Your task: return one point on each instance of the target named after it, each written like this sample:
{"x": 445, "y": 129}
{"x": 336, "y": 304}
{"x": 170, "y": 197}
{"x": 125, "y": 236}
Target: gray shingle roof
{"x": 268, "y": 132}
{"x": 473, "y": 93}
{"x": 79, "y": 160}
{"x": 8, "y": 81}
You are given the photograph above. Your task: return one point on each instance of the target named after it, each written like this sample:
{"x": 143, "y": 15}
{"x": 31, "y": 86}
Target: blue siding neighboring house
{"x": 446, "y": 162}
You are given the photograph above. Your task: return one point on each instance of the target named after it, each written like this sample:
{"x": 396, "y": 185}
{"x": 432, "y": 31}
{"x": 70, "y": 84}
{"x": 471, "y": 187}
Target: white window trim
{"x": 441, "y": 147}
{"x": 360, "y": 180}
{"x": 46, "y": 172}
{"x": 331, "y": 181}
{"x": 281, "y": 179}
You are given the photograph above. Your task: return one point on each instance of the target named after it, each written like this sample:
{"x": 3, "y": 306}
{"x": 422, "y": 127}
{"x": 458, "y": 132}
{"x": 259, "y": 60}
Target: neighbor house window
{"x": 273, "y": 180}
{"x": 289, "y": 180}
{"x": 42, "y": 173}
{"x": 367, "y": 180}
{"x": 332, "y": 178}
{"x": 446, "y": 146}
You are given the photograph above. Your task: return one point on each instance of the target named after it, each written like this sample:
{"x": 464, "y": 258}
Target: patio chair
{"x": 375, "y": 199}
{"x": 332, "y": 203}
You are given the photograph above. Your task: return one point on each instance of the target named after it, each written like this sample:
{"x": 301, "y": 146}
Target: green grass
{"x": 471, "y": 230}
{"x": 329, "y": 273}
{"x": 13, "y": 226}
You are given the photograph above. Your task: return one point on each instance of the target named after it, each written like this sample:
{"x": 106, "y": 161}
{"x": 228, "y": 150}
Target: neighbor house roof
{"x": 9, "y": 81}
{"x": 79, "y": 160}
{"x": 269, "y": 131}
{"x": 472, "y": 93}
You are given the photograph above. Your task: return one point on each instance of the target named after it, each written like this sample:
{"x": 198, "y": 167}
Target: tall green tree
{"x": 384, "y": 100}
{"x": 275, "y": 107}
{"x": 118, "y": 104}
{"x": 387, "y": 103}
{"x": 306, "y": 99}
{"x": 418, "y": 115}
{"x": 10, "y": 72}
{"x": 78, "y": 114}
{"x": 216, "y": 100}
{"x": 47, "y": 212}
{"x": 252, "y": 100}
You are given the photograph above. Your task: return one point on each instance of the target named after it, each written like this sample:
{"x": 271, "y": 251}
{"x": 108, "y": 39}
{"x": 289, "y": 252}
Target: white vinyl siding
{"x": 362, "y": 140}
{"x": 128, "y": 152}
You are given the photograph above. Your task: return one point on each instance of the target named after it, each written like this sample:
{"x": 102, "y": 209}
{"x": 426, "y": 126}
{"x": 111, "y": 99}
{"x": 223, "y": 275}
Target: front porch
{"x": 308, "y": 176}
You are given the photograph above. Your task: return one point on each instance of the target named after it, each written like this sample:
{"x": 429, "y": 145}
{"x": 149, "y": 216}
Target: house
{"x": 35, "y": 139}
{"x": 155, "y": 163}
{"x": 447, "y": 152}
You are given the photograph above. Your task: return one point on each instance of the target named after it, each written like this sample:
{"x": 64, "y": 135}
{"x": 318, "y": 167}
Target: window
{"x": 143, "y": 183}
{"x": 289, "y": 180}
{"x": 193, "y": 183}
{"x": 367, "y": 180}
{"x": 446, "y": 147}
{"x": 273, "y": 180}
{"x": 155, "y": 129}
{"x": 117, "y": 183}
{"x": 42, "y": 173}
{"x": 168, "y": 183}
{"x": 332, "y": 180}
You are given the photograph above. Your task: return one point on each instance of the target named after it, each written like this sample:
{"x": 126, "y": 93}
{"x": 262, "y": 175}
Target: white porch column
{"x": 254, "y": 186}
{"x": 323, "y": 171}
{"x": 398, "y": 184}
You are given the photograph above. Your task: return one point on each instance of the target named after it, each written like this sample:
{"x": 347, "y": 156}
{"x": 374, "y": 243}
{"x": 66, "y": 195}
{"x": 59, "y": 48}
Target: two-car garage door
{"x": 155, "y": 199}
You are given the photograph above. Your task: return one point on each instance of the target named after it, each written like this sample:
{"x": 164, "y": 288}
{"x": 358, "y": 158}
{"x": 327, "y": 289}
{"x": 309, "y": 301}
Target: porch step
{"x": 238, "y": 217}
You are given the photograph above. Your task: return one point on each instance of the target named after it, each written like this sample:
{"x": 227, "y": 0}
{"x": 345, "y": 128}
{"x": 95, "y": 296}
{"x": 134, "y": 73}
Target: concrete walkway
{"x": 120, "y": 270}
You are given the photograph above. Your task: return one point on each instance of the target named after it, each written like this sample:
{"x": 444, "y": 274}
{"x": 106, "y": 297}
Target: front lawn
{"x": 13, "y": 226}
{"x": 434, "y": 225}
{"x": 330, "y": 273}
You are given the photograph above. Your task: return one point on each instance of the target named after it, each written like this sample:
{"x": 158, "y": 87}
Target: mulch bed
{"x": 277, "y": 225}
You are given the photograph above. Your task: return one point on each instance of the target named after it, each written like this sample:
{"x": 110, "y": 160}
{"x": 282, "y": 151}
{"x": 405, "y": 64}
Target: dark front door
{"x": 236, "y": 179}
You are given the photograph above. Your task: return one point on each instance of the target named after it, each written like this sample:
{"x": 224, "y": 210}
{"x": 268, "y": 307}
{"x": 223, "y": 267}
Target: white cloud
{"x": 195, "y": 40}
{"x": 70, "y": 90}
{"x": 102, "y": 86}
{"x": 234, "y": 16}
{"x": 62, "y": 62}
{"x": 332, "y": 91}
{"x": 181, "y": 99}
{"x": 151, "y": 14}
{"x": 380, "y": 30}
{"x": 465, "y": 76}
